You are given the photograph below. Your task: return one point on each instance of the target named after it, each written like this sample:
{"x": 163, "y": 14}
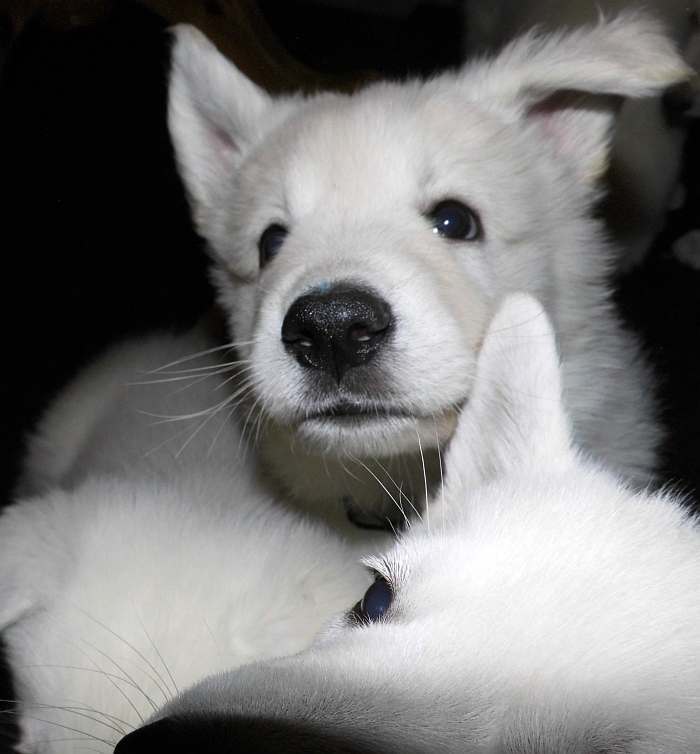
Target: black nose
{"x": 336, "y": 329}
{"x": 240, "y": 735}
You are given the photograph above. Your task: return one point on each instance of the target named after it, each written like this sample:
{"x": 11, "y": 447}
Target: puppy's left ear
{"x": 215, "y": 114}
{"x": 514, "y": 420}
{"x": 543, "y": 79}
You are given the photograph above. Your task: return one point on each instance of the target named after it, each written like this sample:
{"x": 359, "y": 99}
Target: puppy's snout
{"x": 336, "y": 329}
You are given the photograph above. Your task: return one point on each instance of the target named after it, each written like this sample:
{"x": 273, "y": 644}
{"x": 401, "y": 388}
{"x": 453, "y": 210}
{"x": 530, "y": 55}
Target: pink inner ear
{"x": 565, "y": 99}
{"x": 223, "y": 140}
{"x": 551, "y": 116}
{"x": 547, "y": 123}
{"x": 577, "y": 124}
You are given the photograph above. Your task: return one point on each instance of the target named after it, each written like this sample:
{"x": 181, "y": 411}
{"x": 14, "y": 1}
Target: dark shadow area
{"x": 96, "y": 237}
{"x": 394, "y": 39}
{"x": 661, "y": 300}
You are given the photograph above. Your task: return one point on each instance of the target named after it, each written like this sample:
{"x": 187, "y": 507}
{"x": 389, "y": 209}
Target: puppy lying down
{"x": 144, "y": 569}
{"x": 539, "y": 607}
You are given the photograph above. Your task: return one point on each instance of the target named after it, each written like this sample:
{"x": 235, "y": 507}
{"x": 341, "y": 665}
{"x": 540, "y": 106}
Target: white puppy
{"x": 361, "y": 242}
{"x": 548, "y": 609}
{"x": 147, "y": 568}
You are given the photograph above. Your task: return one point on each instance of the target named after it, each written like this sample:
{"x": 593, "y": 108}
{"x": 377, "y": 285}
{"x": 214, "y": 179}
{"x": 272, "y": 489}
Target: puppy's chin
{"x": 375, "y": 436}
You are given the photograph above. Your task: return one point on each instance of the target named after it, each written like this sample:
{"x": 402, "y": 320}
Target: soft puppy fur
{"x": 328, "y": 197}
{"x": 141, "y": 568}
{"x": 545, "y": 609}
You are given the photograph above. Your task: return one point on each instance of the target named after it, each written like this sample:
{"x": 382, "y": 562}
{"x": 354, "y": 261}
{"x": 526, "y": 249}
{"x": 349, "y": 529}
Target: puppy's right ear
{"x": 215, "y": 114}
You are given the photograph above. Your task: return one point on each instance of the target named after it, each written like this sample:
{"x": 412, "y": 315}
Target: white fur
{"x": 647, "y": 151}
{"x": 548, "y": 609}
{"x": 140, "y": 568}
{"x": 352, "y": 178}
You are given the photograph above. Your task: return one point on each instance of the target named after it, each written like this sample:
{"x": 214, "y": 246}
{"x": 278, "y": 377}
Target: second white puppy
{"x": 540, "y": 607}
{"x": 143, "y": 569}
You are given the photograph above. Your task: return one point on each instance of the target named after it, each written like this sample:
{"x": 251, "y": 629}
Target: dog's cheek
{"x": 441, "y": 313}
{"x": 237, "y": 301}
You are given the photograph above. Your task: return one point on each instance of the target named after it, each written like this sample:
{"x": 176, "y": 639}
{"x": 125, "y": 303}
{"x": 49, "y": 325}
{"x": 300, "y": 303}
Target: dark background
{"x": 95, "y": 237}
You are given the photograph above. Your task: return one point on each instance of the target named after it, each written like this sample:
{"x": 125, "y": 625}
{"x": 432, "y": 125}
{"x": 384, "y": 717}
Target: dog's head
{"x": 540, "y": 607}
{"x": 361, "y": 241}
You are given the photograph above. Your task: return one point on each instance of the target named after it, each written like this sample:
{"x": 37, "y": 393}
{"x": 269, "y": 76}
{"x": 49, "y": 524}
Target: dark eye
{"x": 375, "y": 603}
{"x": 451, "y": 219}
{"x": 270, "y": 242}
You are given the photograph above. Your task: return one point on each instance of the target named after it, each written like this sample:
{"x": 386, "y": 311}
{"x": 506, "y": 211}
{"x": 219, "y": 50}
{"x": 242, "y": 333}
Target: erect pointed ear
{"x": 514, "y": 417}
{"x": 630, "y": 56}
{"x": 215, "y": 115}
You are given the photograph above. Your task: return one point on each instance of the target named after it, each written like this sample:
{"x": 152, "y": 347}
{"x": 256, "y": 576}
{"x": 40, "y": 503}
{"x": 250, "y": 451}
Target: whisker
{"x": 136, "y": 686}
{"x": 194, "y": 381}
{"x": 226, "y": 420}
{"x": 247, "y": 420}
{"x": 91, "y": 736}
{"x": 66, "y": 739}
{"x": 134, "y": 649}
{"x": 231, "y": 346}
{"x": 237, "y": 373}
{"x": 402, "y": 495}
{"x": 107, "y": 675}
{"x": 116, "y": 720}
{"x": 215, "y": 367}
{"x": 188, "y": 374}
{"x": 183, "y": 374}
{"x": 212, "y": 412}
{"x": 167, "y": 440}
{"x": 169, "y": 418}
{"x": 160, "y": 657}
{"x": 112, "y": 678}
{"x": 236, "y": 399}
{"x": 183, "y": 417}
{"x": 59, "y": 708}
{"x": 347, "y": 470}
{"x": 425, "y": 480}
{"x": 442, "y": 478}
{"x": 198, "y": 429}
{"x": 383, "y": 486}
{"x": 400, "y": 490}
{"x": 261, "y": 418}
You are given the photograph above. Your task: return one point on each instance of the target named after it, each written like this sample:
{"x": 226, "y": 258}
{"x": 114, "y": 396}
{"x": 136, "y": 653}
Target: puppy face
{"x": 540, "y": 607}
{"x": 361, "y": 242}
{"x": 362, "y": 266}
